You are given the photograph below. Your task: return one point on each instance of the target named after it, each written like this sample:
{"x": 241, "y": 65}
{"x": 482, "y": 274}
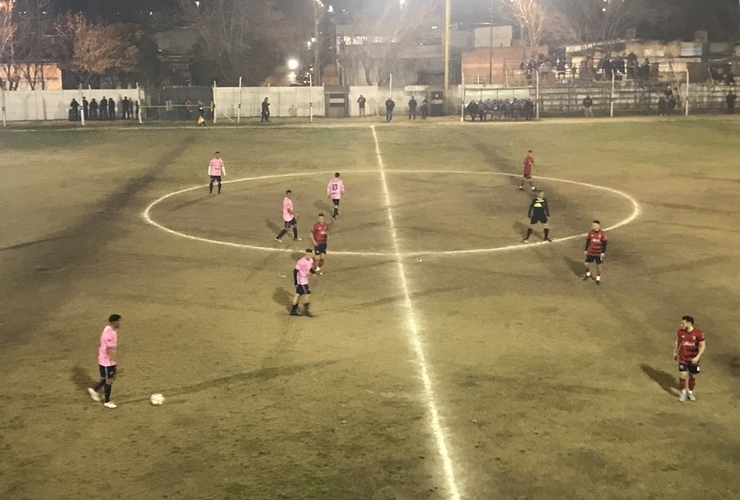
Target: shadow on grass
{"x": 272, "y": 226}
{"x": 259, "y": 375}
{"x": 575, "y": 266}
{"x": 324, "y": 207}
{"x": 283, "y": 297}
{"x": 665, "y": 380}
{"x": 189, "y": 202}
{"x": 81, "y": 378}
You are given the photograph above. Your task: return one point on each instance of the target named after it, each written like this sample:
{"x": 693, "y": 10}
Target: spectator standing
{"x": 74, "y": 110}
{"x": 111, "y": 109}
{"x": 85, "y": 108}
{"x": 425, "y": 108}
{"x": 730, "y": 100}
{"x": 389, "y": 105}
{"x": 103, "y": 109}
{"x": 361, "y": 102}
{"x": 587, "y": 103}
{"x": 412, "y": 108}
{"x": 265, "y": 110}
{"x": 93, "y": 109}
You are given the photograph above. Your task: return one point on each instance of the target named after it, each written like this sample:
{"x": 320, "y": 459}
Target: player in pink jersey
{"x": 107, "y": 360}
{"x": 216, "y": 170}
{"x": 288, "y": 218}
{"x": 335, "y": 191}
{"x": 303, "y": 268}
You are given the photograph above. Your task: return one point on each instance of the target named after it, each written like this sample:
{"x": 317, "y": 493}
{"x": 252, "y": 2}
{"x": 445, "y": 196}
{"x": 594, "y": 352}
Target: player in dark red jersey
{"x": 319, "y": 233}
{"x": 690, "y": 345}
{"x": 595, "y": 250}
{"x": 527, "y": 165}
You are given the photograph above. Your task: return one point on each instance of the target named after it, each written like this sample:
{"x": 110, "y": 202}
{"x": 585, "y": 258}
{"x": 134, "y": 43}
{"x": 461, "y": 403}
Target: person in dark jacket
{"x": 587, "y": 103}
{"x": 265, "y": 110}
{"x": 389, "y": 105}
{"x": 111, "y": 109}
{"x": 730, "y": 100}
{"x": 412, "y": 108}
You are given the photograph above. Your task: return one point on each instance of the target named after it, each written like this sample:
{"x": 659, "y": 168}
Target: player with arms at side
{"x": 107, "y": 361}
{"x": 595, "y": 250}
{"x": 319, "y": 233}
{"x": 527, "y": 165}
{"x": 690, "y": 346}
{"x": 538, "y": 212}
{"x": 335, "y": 191}
{"x": 216, "y": 170}
{"x": 288, "y": 218}
{"x": 303, "y": 268}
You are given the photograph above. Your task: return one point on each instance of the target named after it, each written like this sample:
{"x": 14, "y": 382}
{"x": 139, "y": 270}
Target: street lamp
{"x": 293, "y": 64}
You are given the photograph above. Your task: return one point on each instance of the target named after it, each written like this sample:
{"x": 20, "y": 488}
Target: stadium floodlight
{"x": 293, "y": 64}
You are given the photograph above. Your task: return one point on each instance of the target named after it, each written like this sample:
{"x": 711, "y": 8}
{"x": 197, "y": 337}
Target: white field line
{"x": 636, "y": 210}
{"x": 415, "y": 341}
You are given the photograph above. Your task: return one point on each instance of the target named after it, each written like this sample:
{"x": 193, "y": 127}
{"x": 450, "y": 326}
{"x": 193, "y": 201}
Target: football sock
{"x": 295, "y": 232}
{"x": 294, "y": 308}
{"x": 210, "y": 187}
{"x": 107, "y": 392}
{"x": 219, "y": 187}
{"x": 99, "y": 385}
{"x": 280, "y": 234}
{"x": 336, "y": 212}
{"x": 692, "y": 383}
{"x": 682, "y": 384}
{"x": 588, "y": 273}
{"x": 321, "y": 262}
{"x": 306, "y": 306}
{"x": 529, "y": 232}
{"x": 547, "y": 233}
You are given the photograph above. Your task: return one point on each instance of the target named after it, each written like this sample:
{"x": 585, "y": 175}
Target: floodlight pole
{"x": 686, "y": 97}
{"x": 239, "y": 106}
{"x": 448, "y": 15}
{"x": 537, "y": 93}
{"x": 2, "y": 94}
{"x": 138, "y": 104}
{"x": 611, "y": 98}
{"x": 462, "y": 98}
{"x": 82, "y": 108}
{"x": 310, "y": 97}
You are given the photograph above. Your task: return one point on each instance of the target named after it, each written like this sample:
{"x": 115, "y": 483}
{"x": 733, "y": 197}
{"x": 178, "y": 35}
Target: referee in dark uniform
{"x": 538, "y": 212}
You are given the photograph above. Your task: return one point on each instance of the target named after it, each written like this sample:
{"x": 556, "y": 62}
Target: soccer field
{"x": 447, "y": 360}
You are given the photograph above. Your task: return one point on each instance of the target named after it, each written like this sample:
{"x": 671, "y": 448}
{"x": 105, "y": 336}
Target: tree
{"x": 94, "y": 50}
{"x": 246, "y": 38}
{"x": 7, "y": 29}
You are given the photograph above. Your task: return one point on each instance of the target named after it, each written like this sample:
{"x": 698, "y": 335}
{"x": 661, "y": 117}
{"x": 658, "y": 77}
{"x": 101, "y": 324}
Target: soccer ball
{"x": 157, "y": 399}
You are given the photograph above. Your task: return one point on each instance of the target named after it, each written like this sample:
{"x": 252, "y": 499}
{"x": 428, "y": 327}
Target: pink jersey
{"x": 216, "y": 167}
{"x": 335, "y": 189}
{"x": 108, "y": 340}
{"x": 287, "y": 209}
{"x": 303, "y": 269}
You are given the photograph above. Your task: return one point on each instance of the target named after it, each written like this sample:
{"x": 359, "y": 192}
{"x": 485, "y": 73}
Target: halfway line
{"x": 414, "y": 337}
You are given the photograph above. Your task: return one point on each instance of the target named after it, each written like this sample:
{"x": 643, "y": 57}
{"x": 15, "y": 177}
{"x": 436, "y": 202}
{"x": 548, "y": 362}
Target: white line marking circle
{"x": 636, "y": 210}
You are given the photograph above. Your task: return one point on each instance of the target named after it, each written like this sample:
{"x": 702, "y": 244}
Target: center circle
{"x": 411, "y": 203}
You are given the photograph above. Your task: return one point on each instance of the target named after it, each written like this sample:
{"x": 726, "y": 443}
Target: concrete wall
{"x": 42, "y": 105}
{"x": 284, "y": 101}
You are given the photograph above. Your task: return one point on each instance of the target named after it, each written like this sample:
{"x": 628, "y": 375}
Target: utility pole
{"x": 317, "y": 43}
{"x": 490, "y": 52}
{"x": 448, "y": 11}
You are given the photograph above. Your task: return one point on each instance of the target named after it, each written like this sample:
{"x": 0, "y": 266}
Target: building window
{"x": 478, "y": 79}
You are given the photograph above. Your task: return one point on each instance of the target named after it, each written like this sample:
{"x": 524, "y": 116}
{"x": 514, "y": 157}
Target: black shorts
{"x": 290, "y": 223}
{"x": 320, "y": 249}
{"x": 216, "y": 178}
{"x": 538, "y": 218}
{"x": 335, "y": 201}
{"x": 302, "y": 290}
{"x": 689, "y": 367}
{"x": 594, "y": 258}
{"x": 107, "y": 371}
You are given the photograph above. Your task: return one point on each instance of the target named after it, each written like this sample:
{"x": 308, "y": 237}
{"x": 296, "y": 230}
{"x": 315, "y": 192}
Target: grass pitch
{"x": 546, "y": 386}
